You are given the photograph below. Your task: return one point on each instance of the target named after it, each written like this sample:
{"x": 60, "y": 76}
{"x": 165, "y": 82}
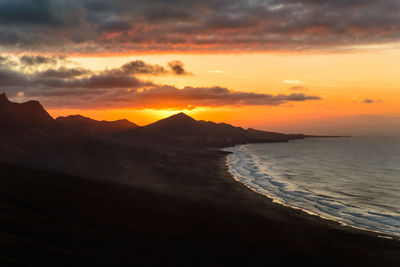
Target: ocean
{"x": 352, "y": 180}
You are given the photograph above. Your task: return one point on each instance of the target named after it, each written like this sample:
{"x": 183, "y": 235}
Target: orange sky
{"x": 343, "y": 80}
{"x": 293, "y": 66}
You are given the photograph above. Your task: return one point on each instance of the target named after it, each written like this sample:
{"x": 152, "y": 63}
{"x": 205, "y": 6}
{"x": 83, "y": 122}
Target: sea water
{"x": 353, "y": 180}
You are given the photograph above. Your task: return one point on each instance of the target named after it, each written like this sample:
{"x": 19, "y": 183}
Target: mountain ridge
{"x": 31, "y": 119}
{"x": 95, "y": 128}
{"x": 27, "y": 116}
{"x": 181, "y": 129}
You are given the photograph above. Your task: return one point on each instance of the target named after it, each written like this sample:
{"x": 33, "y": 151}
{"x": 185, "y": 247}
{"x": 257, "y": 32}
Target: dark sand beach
{"x": 183, "y": 210}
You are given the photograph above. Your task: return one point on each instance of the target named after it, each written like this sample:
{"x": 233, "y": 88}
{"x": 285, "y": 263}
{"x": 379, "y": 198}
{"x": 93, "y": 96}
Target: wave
{"x": 254, "y": 172}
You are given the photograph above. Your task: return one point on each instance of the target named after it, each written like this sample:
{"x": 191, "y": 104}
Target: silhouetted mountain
{"x": 182, "y": 129}
{"x": 29, "y": 121}
{"x": 29, "y": 124}
{"x": 24, "y": 116}
{"x": 95, "y": 128}
{"x": 30, "y": 136}
{"x": 265, "y": 136}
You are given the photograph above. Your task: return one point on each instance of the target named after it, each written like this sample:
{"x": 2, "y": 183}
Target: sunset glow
{"x": 362, "y": 82}
{"x": 255, "y": 73}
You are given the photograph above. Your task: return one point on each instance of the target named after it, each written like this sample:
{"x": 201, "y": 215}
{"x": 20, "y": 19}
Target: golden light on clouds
{"x": 343, "y": 80}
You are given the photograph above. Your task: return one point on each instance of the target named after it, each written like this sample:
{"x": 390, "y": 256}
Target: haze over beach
{"x": 199, "y": 133}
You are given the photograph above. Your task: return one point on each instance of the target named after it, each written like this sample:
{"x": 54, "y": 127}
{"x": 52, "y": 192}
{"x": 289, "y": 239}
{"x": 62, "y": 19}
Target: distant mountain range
{"x": 30, "y": 122}
{"x": 116, "y": 150}
{"x": 95, "y": 128}
{"x": 181, "y": 129}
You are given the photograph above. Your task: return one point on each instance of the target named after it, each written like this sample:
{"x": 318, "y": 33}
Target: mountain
{"x": 24, "y": 116}
{"x": 29, "y": 120}
{"x": 29, "y": 124}
{"x": 181, "y": 129}
{"x": 95, "y": 128}
{"x": 30, "y": 136}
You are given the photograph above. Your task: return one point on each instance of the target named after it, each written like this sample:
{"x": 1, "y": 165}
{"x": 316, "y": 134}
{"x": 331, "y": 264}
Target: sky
{"x": 317, "y": 67}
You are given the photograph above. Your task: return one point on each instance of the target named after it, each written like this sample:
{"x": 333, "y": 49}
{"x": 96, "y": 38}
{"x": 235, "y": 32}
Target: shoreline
{"x": 183, "y": 210}
{"x": 378, "y": 234}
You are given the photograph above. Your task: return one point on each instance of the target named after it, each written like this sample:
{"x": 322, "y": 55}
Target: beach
{"x": 351, "y": 180}
{"x": 184, "y": 210}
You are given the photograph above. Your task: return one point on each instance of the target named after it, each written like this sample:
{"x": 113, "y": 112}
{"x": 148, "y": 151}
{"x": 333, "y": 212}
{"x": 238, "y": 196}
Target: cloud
{"x": 216, "y": 71}
{"x": 114, "y": 26}
{"x": 76, "y": 87}
{"x": 32, "y": 62}
{"x": 64, "y": 72}
{"x": 169, "y": 96}
{"x": 102, "y": 26}
{"x": 140, "y": 67}
{"x": 37, "y": 60}
{"x": 293, "y": 81}
{"x": 7, "y": 62}
{"x": 298, "y": 88}
{"x": 11, "y": 78}
{"x": 137, "y": 67}
{"x": 166, "y": 97}
{"x": 176, "y": 67}
{"x": 370, "y": 101}
{"x": 27, "y": 12}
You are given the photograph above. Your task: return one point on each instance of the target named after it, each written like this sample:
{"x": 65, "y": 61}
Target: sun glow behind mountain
{"x": 271, "y": 70}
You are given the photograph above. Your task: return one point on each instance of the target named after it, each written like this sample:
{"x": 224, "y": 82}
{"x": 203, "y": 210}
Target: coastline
{"x": 378, "y": 234}
{"x": 185, "y": 209}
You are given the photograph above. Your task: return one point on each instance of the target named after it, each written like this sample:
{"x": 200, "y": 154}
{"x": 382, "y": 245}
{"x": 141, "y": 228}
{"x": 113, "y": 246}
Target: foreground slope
{"x": 206, "y": 219}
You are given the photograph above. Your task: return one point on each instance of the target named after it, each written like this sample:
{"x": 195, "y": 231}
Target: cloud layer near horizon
{"x": 103, "y": 26}
{"x": 71, "y": 86}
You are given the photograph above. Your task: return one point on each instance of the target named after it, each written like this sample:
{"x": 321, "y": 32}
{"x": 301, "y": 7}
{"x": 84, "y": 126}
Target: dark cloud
{"x": 63, "y": 72}
{"x": 177, "y": 67}
{"x": 370, "y": 101}
{"x": 11, "y": 79}
{"x": 140, "y": 67}
{"x": 31, "y": 61}
{"x": 77, "y": 87}
{"x": 115, "y": 26}
{"x": 102, "y": 26}
{"x": 161, "y": 97}
{"x": 27, "y": 12}
{"x": 190, "y": 97}
{"x": 104, "y": 81}
{"x": 298, "y": 88}
{"x": 37, "y": 60}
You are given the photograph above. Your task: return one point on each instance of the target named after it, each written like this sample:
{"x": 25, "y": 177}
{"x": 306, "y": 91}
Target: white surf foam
{"x": 248, "y": 168}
